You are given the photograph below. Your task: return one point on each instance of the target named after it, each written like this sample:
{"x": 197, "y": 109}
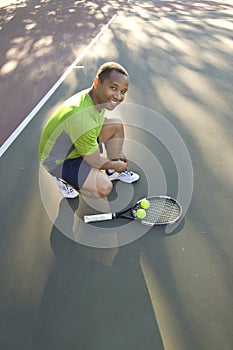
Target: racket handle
{"x": 97, "y": 217}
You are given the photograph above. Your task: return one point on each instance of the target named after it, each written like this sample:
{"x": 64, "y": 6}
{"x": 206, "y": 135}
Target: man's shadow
{"x": 95, "y": 298}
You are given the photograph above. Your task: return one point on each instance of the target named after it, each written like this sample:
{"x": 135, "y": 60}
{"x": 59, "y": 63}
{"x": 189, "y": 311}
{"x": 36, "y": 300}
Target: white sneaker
{"x": 126, "y": 176}
{"x": 65, "y": 189}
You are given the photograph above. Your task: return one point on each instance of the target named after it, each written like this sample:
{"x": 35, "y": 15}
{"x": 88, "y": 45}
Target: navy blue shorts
{"x": 73, "y": 171}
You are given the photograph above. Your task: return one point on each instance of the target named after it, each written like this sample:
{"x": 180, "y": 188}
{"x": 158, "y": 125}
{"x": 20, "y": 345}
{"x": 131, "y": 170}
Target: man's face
{"x": 111, "y": 92}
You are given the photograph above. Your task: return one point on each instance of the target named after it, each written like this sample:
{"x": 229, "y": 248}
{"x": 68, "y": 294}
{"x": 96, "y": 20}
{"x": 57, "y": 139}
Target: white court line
{"x": 36, "y": 109}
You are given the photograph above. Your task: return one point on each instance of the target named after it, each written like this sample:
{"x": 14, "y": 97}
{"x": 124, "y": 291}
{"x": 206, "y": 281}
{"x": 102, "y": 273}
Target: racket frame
{"x": 162, "y": 223}
{"x": 111, "y": 216}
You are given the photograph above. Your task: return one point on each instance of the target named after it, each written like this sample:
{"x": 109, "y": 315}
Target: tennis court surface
{"x": 118, "y": 284}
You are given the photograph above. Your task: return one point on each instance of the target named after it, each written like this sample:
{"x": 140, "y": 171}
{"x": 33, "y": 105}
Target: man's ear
{"x": 96, "y": 82}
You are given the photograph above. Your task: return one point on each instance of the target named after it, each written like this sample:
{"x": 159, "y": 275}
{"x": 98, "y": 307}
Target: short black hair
{"x": 106, "y": 68}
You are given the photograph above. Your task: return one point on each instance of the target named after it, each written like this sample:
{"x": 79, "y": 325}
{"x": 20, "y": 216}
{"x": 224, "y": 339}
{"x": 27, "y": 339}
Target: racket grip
{"x": 97, "y": 217}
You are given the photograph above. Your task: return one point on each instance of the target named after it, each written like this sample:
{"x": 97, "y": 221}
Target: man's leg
{"x": 112, "y": 135}
{"x": 97, "y": 185}
{"x": 88, "y": 181}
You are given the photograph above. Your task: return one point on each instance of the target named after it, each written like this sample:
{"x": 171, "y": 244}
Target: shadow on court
{"x": 97, "y": 298}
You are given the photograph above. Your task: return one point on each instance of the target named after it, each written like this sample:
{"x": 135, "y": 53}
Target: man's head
{"x": 106, "y": 68}
{"x": 110, "y": 86}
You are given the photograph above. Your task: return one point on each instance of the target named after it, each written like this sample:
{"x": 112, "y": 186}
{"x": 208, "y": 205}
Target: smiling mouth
{"x": 114, "y": 103}
{"x": 111, "y": 104}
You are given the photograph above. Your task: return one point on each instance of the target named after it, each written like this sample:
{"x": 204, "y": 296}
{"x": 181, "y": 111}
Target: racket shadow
{"x": 170, "y": 230}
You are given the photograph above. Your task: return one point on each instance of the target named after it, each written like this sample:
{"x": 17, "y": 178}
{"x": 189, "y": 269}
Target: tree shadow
{"x": 40, "y": 39}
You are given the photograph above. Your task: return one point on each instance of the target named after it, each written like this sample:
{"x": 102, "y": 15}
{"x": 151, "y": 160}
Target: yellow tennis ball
{"x": 145, "y": 204}
{"x": 140, "y": 213}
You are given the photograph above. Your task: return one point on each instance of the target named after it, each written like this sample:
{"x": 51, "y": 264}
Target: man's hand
{"x": 123, "y": 157}
{"x": 120, "y": 166}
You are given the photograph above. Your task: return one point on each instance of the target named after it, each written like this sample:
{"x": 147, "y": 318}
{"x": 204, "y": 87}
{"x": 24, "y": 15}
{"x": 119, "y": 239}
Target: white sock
{"x": 110, "y": 171}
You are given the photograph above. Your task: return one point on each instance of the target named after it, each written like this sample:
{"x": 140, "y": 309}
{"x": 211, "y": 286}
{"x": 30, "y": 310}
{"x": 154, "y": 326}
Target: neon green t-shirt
{"x": 71, "y": 132}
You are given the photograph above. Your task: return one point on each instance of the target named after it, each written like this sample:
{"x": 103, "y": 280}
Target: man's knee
{"x": 104, "y": 188}
{"x": 117, "y": 123}
{"x": 112, "y": 128}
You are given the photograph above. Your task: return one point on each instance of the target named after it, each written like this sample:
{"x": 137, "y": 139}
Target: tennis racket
{"x": 162, "y": 210}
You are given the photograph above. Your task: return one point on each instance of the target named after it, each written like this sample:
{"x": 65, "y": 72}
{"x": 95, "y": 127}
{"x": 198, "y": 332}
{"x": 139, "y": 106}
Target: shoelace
{"x": 66, "y": 187}
{"x": 127, "y": 173}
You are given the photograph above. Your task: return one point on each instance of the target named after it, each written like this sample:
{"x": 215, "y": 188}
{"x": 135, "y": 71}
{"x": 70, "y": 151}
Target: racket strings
{"x": 161, "y": 211}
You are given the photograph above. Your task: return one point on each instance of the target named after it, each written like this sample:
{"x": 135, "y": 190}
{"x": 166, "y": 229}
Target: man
{"x": 71, "y": 140}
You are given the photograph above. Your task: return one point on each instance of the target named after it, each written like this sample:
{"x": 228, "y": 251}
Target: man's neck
{"x": 92, "y": 95}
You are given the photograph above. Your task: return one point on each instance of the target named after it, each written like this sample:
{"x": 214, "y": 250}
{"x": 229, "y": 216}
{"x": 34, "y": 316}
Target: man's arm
{"x": 96, "y": 160}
